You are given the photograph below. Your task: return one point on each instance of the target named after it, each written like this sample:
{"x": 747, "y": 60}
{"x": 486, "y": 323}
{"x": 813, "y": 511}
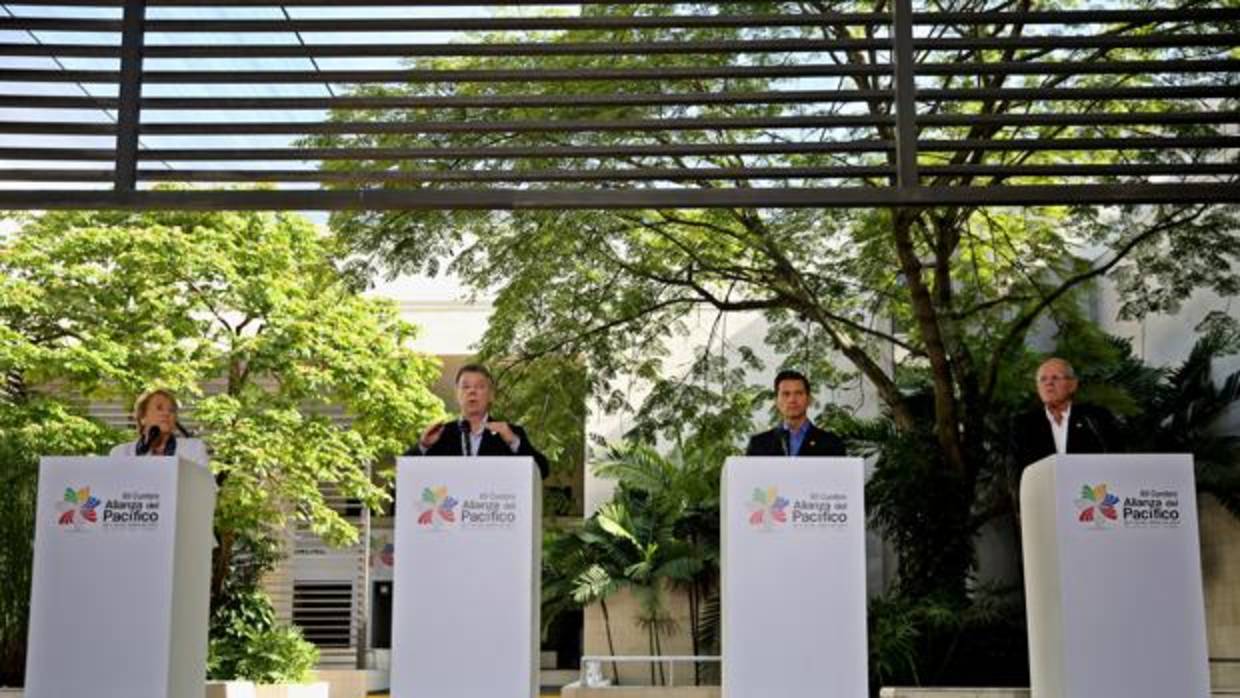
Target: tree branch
{"x": 1017, "y": 330}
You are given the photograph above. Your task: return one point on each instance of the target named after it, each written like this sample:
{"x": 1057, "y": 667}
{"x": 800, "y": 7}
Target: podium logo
{"x": 436, "y": 507}
{"x": 77, "y": 508}
{"x": 1096, "y": 506}
{"x": 767, "y": 508}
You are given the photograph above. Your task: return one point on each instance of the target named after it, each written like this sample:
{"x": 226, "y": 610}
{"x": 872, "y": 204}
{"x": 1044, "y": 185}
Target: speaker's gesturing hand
{"x": 431, "y": 436}
{"x": 503, "y": 430}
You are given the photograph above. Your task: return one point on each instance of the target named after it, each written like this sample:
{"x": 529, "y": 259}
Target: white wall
{"x": 451, "y": 323}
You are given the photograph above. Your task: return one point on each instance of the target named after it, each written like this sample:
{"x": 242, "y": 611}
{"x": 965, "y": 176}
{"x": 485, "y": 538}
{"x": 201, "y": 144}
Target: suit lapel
{"x": 1078, "y": 434}
{"x": 810, "y": 444}
{"x": 1045, "y": 434}
{"x": 492, "y": 444}
{"x": 486, "y": 447}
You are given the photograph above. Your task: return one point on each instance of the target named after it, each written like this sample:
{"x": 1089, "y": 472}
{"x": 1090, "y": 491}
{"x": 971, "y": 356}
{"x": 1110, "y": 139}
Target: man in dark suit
{"x": 476, "y": 433}
{"x": 1061, "y": 425}
{"x": 797, "y": 436}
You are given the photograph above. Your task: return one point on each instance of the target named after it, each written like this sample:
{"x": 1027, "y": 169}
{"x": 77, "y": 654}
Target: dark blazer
{"x": 818, "y": 442}
{"x": 1091, "y": 429}
{"x": 449, "y": 444}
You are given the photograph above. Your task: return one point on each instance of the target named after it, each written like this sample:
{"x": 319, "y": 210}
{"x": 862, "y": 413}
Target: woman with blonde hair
{"x": 155, "y": 417}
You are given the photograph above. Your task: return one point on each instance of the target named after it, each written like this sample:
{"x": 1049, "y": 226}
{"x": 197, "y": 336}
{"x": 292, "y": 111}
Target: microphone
{"x": 467, "y": 442}
{"x": 148, "y": 440}
{"x": 785, "y": 440}
{"x": 1106, "y": 448}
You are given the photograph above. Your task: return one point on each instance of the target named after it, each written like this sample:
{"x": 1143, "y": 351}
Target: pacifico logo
{"x": 1096, "y": 506}
{"x": 436, "y": 507}
{"x": 77, "y": 509}
{"x": 766, "y": 508}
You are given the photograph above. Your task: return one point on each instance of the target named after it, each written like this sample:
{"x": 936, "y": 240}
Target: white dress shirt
{"x": 1060, "y": 430}
{"x": 475, "y": 437}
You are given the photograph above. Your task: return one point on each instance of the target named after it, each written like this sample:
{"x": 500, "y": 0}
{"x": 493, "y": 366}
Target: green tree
{"x": 548, "y": 397}
{"x": 944, "y": 294}
{"x": 252, "y": 320}
{"x": 920, "y": 635}
{"x": 579, "y": 570}
{"x": 683, "y": 490}
{"x": 30, "y": 425}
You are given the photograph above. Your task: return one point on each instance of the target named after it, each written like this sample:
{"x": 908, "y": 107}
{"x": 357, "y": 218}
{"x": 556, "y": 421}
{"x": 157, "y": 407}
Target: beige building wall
{"x": 1220, "y": 566}
{"x": 631, "y": 639}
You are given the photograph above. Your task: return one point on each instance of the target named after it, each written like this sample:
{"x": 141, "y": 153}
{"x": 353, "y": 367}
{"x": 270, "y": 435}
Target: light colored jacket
{"x": 189, "y": 449}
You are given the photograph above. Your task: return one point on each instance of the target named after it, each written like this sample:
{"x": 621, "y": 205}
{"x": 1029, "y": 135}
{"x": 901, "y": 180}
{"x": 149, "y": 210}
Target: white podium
{"x": 122, "y": 571}
{"x": 1113, "y": 577}
{"x": 793, "y": 567}
{"x": 466, "y": 583}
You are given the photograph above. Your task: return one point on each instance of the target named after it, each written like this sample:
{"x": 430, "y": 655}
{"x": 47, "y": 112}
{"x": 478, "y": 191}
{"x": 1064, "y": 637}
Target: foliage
{"x": 247, "y": 644}
{"x": 548, "y": 398}
{"x": 946, "y": 294}
{"x": 935, "y": 641}
{"x": 255, "y": 324}
{"x": 1182, "y": 408}
{"x": 658, "y": 533}
{"x": 30, "y": 426}
{"x": 933, "y": 628}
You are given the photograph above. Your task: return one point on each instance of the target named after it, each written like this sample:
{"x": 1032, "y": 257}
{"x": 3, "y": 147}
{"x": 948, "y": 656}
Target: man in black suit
{"x": 797, "y": 436}
{"x": 1061, "y": 425}
{"x": 476, "y": 433}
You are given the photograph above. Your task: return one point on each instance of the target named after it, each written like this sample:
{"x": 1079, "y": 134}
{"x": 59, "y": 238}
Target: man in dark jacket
{"x": 476, "y": 433}
{"x": 1061, "y": 425}
{"x": 797, "y": 435}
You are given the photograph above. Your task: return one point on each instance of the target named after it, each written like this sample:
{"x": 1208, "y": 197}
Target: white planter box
{"x": 903, "y": 692}
{"x": 343, "y": 683}
{"x": 230, "y": 689}
{"x": 574, "y": 690}
{"x": 292, "y": 690}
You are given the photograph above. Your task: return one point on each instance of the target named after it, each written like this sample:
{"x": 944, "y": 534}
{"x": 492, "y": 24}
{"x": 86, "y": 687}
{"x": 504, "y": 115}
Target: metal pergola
{"x": 667, "y": 105}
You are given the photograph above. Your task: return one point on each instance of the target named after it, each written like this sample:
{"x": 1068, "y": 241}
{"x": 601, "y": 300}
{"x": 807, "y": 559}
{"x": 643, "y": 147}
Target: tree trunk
{"x": 946, "y": 419}
{"x": 611, "y": 645}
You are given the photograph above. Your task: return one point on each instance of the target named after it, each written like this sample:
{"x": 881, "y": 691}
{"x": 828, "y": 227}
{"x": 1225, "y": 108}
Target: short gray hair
{"x": 1067, "y": 367}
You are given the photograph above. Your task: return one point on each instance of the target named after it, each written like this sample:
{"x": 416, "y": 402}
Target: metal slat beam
{"x": 1083, "y": 119}
{"x": 1048, "y": 43}
{"x": 129, "y": 111}
{"x": 270, "y": 77}
{"x": 625, "y": 151}
{"x": 1067, "y": 17}
{"x": 515, "y": 23}
{"x": 1195, "y": 169}
{"x": 58, "y": 128}
{"x": 623, "y": 48}
{"x": 1048, "y": 144}
{"x": 1080, "y": 94}
{"x": 466, "y": 102}
{"x": 470, "y": 176}
{"x": 906, "y": 94}
{"x": 502, "y": 50}
{"x": 348, "y": 3}
{"x": 575, "y": 199}
{"x": 532, "y": 126}
{"x": 586, "y": 172}
{"x": 510, "y": 152}
{"x": 1092, "y": 68}
{"x": 1077, "y": 17}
